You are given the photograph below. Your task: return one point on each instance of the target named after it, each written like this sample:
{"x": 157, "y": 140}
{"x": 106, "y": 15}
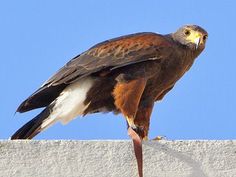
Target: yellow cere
{"x": 194, "y": 36}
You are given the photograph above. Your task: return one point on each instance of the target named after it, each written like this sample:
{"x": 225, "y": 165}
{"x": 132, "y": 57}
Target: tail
{"x": 68, "y": 105}
{"x": 35, "y": 126}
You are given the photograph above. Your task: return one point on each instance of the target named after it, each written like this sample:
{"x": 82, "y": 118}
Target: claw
{"x": 134, "y": 127}
{"x": 158, "y": 138}
{"x": 138, "y": 130}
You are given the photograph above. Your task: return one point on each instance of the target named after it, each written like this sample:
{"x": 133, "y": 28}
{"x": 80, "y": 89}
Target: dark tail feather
{"x": 33, "y": 127}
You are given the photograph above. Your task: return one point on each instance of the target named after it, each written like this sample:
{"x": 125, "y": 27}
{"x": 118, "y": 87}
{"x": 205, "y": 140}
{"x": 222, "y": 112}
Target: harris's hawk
{"x": 122, "y": 75}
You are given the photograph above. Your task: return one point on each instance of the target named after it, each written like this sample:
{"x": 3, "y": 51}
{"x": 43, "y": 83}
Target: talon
{"x": 138, "y": 130}
{"x": 134, "y": 127}
{"x": 158, "y": 138}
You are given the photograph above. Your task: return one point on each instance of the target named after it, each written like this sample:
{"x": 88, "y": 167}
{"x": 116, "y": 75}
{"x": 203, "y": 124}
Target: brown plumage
{"x": 124, "y": 75}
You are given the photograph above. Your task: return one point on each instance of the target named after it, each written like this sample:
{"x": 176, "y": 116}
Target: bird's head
{"x": 191, "y": 36}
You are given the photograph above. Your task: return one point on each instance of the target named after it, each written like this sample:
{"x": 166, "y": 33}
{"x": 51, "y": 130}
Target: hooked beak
{"x": 197, "y": 42}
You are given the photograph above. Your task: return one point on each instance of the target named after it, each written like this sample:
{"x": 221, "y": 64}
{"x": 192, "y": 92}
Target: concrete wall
{"x": 116, "y": 159}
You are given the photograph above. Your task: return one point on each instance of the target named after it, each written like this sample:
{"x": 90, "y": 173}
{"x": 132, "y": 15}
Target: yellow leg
{"x": 130, "y": 122}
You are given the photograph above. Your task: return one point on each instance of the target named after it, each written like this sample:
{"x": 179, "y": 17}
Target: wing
{"x": 112, "y": 54}
{"x": 108, "y": 55}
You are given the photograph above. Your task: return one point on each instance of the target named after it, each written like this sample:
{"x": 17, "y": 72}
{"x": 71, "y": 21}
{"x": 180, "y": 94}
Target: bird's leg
{"x": 130, "y": 122}
{"x": 127, "y": 96}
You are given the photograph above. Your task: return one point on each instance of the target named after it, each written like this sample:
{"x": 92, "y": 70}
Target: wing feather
{"x": 113, "y": 54}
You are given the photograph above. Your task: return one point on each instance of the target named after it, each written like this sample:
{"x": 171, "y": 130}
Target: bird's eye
{"x": 204, "y": 37}
{"x": 187, "y": 32}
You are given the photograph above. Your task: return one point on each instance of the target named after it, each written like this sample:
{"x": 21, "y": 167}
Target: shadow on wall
{"x": 174, "y": 157}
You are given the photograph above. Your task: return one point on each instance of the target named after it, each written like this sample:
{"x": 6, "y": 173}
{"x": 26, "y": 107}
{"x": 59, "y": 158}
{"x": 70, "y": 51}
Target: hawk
{"x": 124, "y": 75}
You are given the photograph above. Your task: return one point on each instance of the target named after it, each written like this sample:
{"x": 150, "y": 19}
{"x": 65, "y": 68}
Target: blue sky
{"x": 37, "y": 38}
